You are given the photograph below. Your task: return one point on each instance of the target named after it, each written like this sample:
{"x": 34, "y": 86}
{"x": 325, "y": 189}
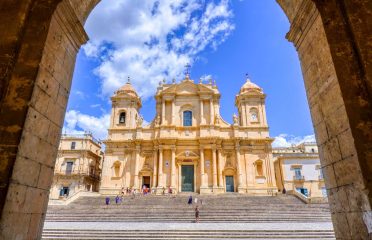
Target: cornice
{"x": 302, "y": 22}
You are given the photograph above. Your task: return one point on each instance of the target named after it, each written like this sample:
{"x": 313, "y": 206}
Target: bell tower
{"x": 251, "y": 105}
{"x": 125, "y": 107}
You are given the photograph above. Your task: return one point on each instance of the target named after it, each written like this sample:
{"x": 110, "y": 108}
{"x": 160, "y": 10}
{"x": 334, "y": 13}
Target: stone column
{"x": 214, "y": 179}
{"x": 160, "y": 168}
{"x": 163, "y": 112}
{"x": 238, "y": 167}
{"x": 172, "y": 113}
{"x": 211, "y": 111}
{"x": 155, "y": 168}
{"x": 136, "y": 166}
{"x": 220, "y": 167}
{"x": 201, "y": 111}
{"x": 245, "y": 116}
{"x": 173, "y": 168}
{"x": 202, "y": 178}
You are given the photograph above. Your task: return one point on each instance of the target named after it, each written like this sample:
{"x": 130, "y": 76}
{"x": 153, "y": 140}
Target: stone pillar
{"x": 160, "y": 168}
{"x": 163, "y": 112}
{"x": 202, "y": 178}
{"x": 211, "y": 118}
{"x": 172, "y": 113}
{"x": 238, "y": 167}
{"x": 214, "y": 167}
{"x": 136, "y": 167}
{"x": 155, "y": 168}
{"x": 201, "y": 111}
{"x": 220, "y": 167}
{"x": 173, "y": 168}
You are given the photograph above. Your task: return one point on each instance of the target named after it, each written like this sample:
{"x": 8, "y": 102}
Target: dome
{"x": 248, "y": 86}
{"x": 128, "y": 89}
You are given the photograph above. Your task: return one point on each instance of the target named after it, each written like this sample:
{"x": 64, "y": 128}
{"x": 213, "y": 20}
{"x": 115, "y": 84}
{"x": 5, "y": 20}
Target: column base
{"x": 242, "y": 190}
{"x": 218, "y": 190}
{"x": 161, "y": 190}
{"x": 205, "y": 190}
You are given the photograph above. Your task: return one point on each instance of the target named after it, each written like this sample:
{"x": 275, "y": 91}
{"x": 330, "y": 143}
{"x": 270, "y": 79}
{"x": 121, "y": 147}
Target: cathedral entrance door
{"x": 229, "y": 184}
{"x": 187, "y": 173}
{"x": 146, "y": 181}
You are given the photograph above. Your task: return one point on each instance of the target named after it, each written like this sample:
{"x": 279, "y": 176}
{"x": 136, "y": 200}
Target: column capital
{"x": 161, "y": 147}
{"x": 173, "y": 148}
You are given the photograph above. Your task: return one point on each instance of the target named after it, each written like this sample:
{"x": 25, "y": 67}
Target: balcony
{"x": 77, "y": 173}
{"x": 299, "y": 178}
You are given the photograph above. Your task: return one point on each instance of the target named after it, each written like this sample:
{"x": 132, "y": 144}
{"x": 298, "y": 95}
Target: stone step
{"x": 186, "y": 234}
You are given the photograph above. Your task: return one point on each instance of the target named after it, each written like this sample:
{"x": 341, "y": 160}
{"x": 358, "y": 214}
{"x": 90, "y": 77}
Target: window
{"x": 73, "y": 145}
{"x": 69, "y": 166}
{"x": 122, "y": 117}
{"x": 187, "y": 118}
{"x": 298, "y": 175}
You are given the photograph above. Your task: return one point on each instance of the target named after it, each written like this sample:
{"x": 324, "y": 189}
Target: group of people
{"x": 118, "y": 199}
{"x": 190, "y": 202}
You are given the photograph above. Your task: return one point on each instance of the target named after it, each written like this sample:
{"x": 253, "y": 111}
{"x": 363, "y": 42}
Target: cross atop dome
{"x": 187, "y": 71}
{"x": 247, "y": 77}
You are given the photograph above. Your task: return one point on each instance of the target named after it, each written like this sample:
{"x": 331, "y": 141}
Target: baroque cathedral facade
{"x": 188, "y": 147}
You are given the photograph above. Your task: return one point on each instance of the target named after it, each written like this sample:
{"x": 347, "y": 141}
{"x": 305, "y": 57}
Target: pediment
{"x": 186, "y": 88}
{"x": 187, "y": 154}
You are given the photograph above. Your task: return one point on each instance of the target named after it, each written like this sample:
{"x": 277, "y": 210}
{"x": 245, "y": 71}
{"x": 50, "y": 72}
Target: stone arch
{"x": 37, "y": 60}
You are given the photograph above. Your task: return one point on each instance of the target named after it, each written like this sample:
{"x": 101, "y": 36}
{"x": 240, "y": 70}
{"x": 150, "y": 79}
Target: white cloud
{"x": 285, "y": 140}
{"x": 78, "y": 123}
{"x": 150, "y": 39}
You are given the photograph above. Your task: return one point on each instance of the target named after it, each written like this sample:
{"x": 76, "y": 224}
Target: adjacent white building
{"x": 298, "y": 168}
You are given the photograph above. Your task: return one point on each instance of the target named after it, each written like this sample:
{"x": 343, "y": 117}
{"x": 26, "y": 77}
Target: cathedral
{"x": 188, "y": 147}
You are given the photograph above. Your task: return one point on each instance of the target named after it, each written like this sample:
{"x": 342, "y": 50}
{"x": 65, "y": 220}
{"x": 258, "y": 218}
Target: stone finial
{"x": 210, "y": 80}
{"x": 235, "y": 119}
{"x": 173, "y": 80}
{"x": 163, "y": 80}
{"x": 200, "y": 80}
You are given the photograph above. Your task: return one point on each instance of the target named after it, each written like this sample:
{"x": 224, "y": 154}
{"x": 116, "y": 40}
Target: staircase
{"x": 221, "y": 217}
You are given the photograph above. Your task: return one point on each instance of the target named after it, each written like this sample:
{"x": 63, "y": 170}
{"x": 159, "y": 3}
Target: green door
{"x": 187, "y": 173}
{"x": 229, "y": 184}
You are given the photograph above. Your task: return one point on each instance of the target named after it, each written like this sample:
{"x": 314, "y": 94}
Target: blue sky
{"x": 149, "y": 40}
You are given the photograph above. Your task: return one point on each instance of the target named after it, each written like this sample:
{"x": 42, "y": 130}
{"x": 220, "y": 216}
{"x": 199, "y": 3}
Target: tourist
{"x": 284, "y": 191}
{"x": 196, "y": 214}
{"x": 107, "y": 200}
{"x": 190, "y": 200}
{"x": 163, "y": 190}
{"x": 170, "y": 190}
{"x": 196, "y": 200}
{"x": 117, "y": 199}
{"x": 122, "y": 191}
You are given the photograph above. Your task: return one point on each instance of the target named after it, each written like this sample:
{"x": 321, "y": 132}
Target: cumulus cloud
{"x": 285, "y": 140}
{"x": 150, "y": 39}
{"x": 79, "y": 123}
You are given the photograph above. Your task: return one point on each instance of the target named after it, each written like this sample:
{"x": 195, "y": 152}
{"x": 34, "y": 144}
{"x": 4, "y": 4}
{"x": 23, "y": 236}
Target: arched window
{"x": 187, "y": 118}
{"x": 259, "y": 168}
{"x": 253, "y": 115}
{"x": 122, "y": 117}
